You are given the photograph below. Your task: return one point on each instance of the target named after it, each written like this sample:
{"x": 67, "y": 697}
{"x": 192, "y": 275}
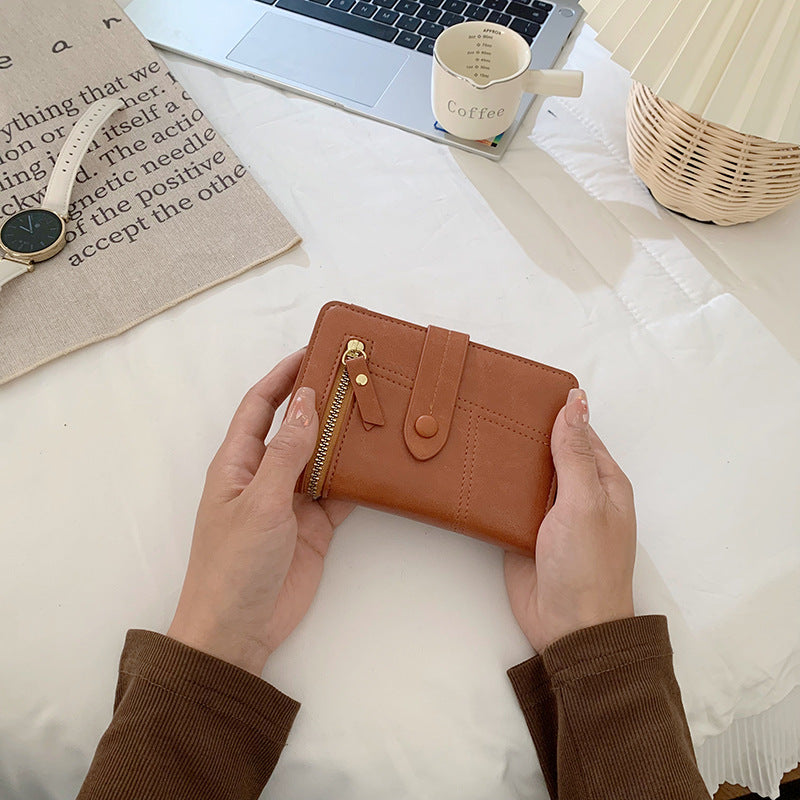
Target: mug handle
{"x": 554, "y": 82}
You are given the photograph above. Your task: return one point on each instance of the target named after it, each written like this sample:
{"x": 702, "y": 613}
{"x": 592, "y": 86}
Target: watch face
{"x": 31, "y": 231}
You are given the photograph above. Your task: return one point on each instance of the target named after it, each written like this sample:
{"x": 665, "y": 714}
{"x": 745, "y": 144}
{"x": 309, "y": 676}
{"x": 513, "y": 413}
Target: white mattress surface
{"x": 684, "y": 335}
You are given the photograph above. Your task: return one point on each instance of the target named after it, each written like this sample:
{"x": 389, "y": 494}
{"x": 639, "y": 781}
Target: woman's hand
{"x": 583, "y": 573}
{"x": 258, "y": 548}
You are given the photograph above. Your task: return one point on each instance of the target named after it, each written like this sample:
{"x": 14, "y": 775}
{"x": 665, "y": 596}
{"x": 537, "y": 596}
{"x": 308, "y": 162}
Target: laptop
{"x": 373, "y": 57}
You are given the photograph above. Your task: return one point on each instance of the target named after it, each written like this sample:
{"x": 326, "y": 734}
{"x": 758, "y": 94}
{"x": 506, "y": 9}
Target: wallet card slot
{"x": 522, "y": 428}
{"x": 496, "y": 472}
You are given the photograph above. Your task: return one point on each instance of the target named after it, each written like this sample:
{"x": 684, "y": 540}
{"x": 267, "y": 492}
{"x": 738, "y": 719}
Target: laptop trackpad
{"x": 319, "y": 58}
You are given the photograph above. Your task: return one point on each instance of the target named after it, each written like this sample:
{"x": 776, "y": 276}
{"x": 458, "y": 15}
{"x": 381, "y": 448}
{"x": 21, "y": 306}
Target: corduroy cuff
{"x": 531, "y": 682}
{"x": 208, "y": 681}
{"x": 605, "y": 647}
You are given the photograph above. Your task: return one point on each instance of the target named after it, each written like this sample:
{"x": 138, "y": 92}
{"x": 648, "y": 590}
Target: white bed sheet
{"x": 684, "y": 335}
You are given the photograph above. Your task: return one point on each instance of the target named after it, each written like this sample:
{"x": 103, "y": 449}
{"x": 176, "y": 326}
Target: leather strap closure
{"x": 433, "y": 399}
{"x": 364, "y": 389}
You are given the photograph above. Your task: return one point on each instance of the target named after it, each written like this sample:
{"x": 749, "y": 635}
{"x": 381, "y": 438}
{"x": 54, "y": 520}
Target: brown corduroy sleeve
{"x": 611, "y": 721}
{"x": 187, "y": 725}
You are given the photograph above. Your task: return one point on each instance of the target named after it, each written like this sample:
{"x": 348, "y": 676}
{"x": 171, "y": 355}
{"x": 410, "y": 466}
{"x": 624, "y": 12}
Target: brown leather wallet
{"x": 424, "y": 423}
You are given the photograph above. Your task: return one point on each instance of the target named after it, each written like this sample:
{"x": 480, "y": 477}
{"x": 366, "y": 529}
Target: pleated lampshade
{"x": 732, "y": 62}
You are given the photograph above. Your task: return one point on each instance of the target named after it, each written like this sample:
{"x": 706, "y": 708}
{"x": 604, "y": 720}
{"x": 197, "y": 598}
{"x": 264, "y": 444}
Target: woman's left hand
{"x": 258, "y": 548}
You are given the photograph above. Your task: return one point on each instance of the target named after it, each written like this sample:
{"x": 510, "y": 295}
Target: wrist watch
{"x": 36, "y": 234}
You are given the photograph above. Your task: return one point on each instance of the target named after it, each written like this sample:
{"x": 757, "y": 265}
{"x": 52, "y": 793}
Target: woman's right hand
{"x": 585, "y": 551}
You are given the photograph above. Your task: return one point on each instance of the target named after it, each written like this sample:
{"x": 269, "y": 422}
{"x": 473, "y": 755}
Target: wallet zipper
{"x": 335, "y": 411}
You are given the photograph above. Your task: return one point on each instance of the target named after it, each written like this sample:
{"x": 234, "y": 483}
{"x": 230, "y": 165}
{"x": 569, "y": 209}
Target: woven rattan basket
{"x": 707, "y": 171}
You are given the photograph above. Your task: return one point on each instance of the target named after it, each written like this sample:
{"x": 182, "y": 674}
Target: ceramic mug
{"x": 480, "y": 71}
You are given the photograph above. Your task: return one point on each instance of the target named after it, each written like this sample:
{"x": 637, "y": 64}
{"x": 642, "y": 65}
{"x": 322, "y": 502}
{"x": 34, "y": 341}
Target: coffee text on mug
{"x": 473, "y": 112}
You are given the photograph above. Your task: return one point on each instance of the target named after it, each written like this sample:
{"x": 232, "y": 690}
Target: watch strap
{"x": 11, "y": 269}
{"x": 59, "y": 190}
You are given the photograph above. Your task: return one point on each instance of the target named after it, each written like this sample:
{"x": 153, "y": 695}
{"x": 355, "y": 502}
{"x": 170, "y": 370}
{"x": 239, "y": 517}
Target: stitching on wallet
{"x": 503, "y": 416}
{"x": 314, "y": 337}
{"x": 441, "y": 369}
{"x": 471, "y": 471}
{"x": 365, "y": 312}
{"x": 518, "y": 433}
{"x": 392, "y": 320}
{"x": 410, "y": 385}
{"x": 464, "y": 472}
{"x": 522, "y": 360}
{"x": 389, "y": 380}
{"x": 381, "y": 368}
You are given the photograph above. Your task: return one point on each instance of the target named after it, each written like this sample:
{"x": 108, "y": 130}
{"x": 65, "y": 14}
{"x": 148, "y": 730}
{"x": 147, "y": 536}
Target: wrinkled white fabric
{"x": 755, "y": 751}
{"x": 684, "y": 336}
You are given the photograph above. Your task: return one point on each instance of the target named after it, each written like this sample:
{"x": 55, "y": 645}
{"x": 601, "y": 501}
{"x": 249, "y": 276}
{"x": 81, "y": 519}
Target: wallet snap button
{"x": 426, "y": 426}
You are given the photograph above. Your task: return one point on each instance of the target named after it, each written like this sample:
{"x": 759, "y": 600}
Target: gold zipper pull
{"x": 355, "y": 362}
{"x": 354, "y": 350}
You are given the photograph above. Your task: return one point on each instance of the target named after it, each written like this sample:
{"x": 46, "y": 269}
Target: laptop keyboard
{"x": 415, "y": 24}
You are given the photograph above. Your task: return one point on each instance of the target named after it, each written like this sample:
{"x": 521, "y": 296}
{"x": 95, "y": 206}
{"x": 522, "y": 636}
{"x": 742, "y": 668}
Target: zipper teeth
{"x": 327, "y": 432}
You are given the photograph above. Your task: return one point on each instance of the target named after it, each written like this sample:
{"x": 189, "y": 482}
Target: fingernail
{"x": 301, "y": 410}
{"x": 577, "y": 410}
